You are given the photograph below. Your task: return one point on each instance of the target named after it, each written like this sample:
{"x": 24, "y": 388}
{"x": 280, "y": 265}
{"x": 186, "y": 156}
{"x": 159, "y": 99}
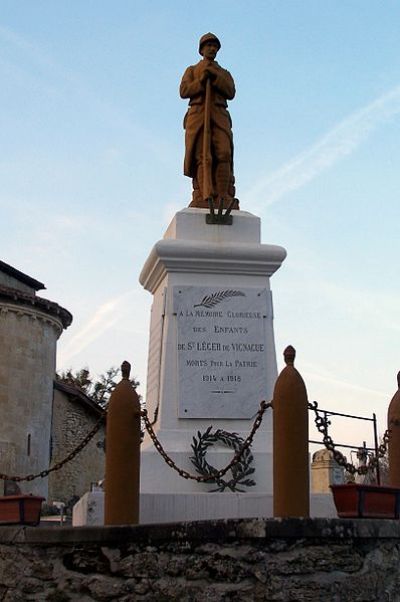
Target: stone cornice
{"x": 32, "y": 313}
{"x": 169, "y": 255}
{"x": 15, "y": 300}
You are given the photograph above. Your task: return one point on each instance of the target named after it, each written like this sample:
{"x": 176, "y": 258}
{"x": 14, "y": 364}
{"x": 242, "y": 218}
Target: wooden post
{"x": 290, "y": 420}
{"x": 122, "y": 476}
{"x": 394, "y": 437}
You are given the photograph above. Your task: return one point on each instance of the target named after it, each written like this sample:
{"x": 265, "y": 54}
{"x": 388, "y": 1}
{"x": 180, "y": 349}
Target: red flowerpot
{"x": 20, "y": 509}
{"x": 355, "y": 500}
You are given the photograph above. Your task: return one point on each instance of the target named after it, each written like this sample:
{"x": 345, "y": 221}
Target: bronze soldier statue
{"x": 208, "y": 128}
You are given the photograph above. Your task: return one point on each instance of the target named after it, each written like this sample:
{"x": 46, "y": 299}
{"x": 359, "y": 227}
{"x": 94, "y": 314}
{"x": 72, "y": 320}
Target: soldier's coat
{"x": 222, "y": 89}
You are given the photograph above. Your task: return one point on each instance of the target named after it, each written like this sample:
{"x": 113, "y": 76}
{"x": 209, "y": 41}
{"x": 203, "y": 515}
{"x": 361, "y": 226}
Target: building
{"x": 74, "y": 416}
{"x": 40, "y": 422}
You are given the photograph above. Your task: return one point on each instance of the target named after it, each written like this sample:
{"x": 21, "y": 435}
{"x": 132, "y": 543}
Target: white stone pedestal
{"x": 211, "y": 352}
{"x": 170, "y": 508}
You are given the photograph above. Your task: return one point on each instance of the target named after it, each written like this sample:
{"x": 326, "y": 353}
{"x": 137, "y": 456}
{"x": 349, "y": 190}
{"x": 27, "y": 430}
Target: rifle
{"x": 207, "y": 157}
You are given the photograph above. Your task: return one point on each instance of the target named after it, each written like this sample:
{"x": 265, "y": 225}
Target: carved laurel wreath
{"x": 240, "y": 471}
{"x": 215, "y": 298}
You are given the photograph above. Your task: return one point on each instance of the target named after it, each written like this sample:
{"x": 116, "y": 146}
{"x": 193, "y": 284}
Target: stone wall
{"x": 72, "y": 421}
{"x": 29, "y": 329}
{"x": 28, "y": 338}
{"x": 320, "y": 560}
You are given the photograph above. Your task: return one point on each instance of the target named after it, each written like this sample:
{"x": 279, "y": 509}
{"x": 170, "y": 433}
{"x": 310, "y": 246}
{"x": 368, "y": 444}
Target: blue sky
{"x": 91, "y": 170}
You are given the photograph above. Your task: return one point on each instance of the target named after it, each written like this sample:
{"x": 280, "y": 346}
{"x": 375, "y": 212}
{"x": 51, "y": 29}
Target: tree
{"x": 98, "y": 390}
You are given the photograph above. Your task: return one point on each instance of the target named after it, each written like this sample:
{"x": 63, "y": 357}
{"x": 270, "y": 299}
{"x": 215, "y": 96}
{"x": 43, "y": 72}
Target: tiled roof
{"x": 78, "y": 395}
{"x": 8, "y": 269}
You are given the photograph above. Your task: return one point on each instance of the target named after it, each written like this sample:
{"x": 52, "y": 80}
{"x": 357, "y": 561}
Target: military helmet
{"x": 208, "y": 37}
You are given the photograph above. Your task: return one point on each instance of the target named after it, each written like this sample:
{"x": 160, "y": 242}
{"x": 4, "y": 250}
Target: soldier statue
{"x": 208, "y": 128}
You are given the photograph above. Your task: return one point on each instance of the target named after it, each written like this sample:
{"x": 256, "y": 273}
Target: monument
{"x": 211, "y": 350}
{"x": 325, "y": 471}
{"x": 211, "y": 358}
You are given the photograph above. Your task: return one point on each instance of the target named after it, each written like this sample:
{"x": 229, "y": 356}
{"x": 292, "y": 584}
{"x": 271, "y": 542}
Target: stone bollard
{"x": 122, "y": 476}
{"x": 290, "y": 416}
{"x": 394, "y": 437}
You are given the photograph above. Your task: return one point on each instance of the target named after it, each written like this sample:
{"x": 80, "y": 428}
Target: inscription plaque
{"x": 221, "y": 350}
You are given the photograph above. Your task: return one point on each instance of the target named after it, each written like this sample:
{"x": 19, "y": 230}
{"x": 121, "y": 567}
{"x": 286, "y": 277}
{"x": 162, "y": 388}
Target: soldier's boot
{"x": 223, "y": 180}
{"x": 198, "y": 199}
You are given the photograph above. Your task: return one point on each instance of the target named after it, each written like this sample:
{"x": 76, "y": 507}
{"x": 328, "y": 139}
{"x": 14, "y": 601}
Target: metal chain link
{"x": 218, "y": 473}
{"x": 58, "y": 465}
{"x": 322, "y": 423}
{"x": 237, "y": 457}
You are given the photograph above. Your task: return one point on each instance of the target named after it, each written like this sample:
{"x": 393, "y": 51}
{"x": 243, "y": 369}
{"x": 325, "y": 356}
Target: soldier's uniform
{"x": 222, "y": 89}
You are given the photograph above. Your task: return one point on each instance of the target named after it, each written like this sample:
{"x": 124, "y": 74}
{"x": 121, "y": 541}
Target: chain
{"x": 322, "y": 423}
{"x": 218, "y": 473}
{"x": 155, "y": 416}
{"x": 58, "y": 465}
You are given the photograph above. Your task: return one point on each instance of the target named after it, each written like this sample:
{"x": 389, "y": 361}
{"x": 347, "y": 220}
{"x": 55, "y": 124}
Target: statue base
{"x": 203, "y": 203}
{"x": 211, "y": 352}
{"x": 170, "y": 508}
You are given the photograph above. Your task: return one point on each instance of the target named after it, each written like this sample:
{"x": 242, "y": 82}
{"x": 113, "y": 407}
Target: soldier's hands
{"x": 212, "y": 74}
{"x": 204, "y": 76}
{"x": 208, "y": 73}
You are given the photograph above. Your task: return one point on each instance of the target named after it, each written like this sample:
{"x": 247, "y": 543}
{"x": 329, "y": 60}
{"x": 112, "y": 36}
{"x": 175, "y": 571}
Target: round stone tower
{"x": 29, "y": 329}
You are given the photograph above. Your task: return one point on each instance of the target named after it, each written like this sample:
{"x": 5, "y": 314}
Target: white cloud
{"x": 40, "y": 71}
{"x": 31, "y": 50}
{"x": 370, "y": 306}
{"x": 339, "y": 142}
{"x": 104, "y": 317}
{"x": 320, "y": 375}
